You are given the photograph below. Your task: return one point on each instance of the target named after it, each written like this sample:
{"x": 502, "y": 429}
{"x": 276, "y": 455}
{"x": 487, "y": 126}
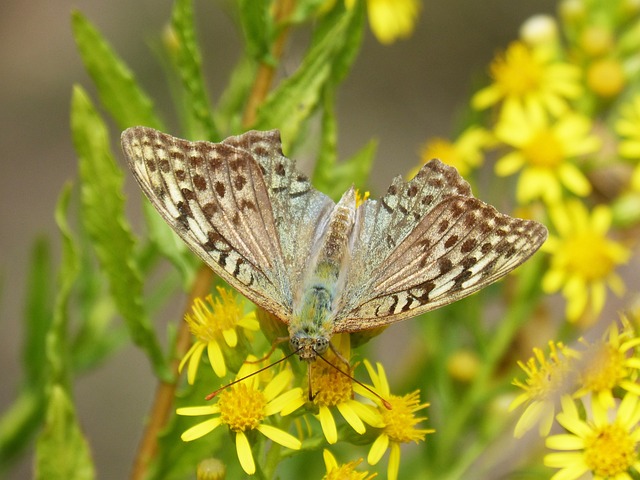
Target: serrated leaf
{"x": 187, "y": 59}
{"x": 62, "y": 451}
{"x": 297, "y": 97}
{"x": 119, "y": 92}
{"x": 102, "y": 214}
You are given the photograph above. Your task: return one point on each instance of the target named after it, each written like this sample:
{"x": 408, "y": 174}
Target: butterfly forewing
{"x": 215, "y": 197}
{"x": 457, "y": 245}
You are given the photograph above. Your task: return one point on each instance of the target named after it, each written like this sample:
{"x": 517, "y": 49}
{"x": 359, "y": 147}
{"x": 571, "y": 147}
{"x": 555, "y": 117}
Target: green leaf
{"x": 332, "y": 177}
{"x": 21, "y": 420}
{"x": 230, "y": 107}
{"x": 102, "y": 214}
{"x": 187, "y": 59}
{"x": 62, "y": 451}
{"x": 119, "y": 92}
{"x": 257, "y": 28}
{"x": 18, "y": 425}
{"x": 348, "y": 49}
{"x": 297, "y": 97}
{"x": 38, "y": 313}
{"x": 57, "y": 349}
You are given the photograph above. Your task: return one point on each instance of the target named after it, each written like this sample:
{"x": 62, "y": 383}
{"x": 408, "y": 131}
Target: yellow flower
{"x": 628, "y": 127}
{"x": 334, "y": 389}
{"x": 583, "y": 259}
{"x": 244, "y": 407}
{"x": 211, "y": 323}
{"x": 606, "y": 77}
{"x": 530, "y": 78}
{"x": 391, "y": 20}
{"x": 465, "y": 154}
{"x": 399, "y": 421}
{"x": 547, "y": 380}
{"x": 543, "y": 150}
{"x": 345, "y": 471}
{"x": 611, "y": 364}
{"x": 603, "y": 445}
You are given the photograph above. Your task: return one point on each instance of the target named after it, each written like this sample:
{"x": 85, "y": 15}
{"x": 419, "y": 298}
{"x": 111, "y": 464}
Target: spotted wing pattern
{"x": 427, "y": 243}
{"x": 220, "y": 198}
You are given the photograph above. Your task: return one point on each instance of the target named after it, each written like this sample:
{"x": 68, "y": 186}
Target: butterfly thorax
{"x": 314, "y": 310}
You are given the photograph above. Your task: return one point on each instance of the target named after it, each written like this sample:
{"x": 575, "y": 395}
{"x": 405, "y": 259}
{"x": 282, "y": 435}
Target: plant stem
{"x": 266, "y": 71}
{"x": 165, "y": 393}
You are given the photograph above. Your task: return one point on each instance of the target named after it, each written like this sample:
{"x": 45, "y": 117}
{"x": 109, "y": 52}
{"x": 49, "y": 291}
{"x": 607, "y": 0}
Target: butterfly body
{"x": 314, "y": 309}
{"x": 324, "y": 268}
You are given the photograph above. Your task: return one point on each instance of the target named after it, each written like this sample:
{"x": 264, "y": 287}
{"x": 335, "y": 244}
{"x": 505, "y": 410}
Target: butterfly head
{"x": 308, "y": 347}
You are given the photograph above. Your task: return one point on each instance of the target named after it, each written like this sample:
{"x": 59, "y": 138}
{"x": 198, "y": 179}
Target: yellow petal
{"x": 230, "y": 337}
{"x": 350, "y": 416}
{"x": 197, "y": 411}
{"x": 564, "y": 442}
{"x": 245, "y": 456}
{"x": 394, "y": 462}
{"x": 330, "y": 461}
{"x": 216, "y": 359}
{"x": 280, "y": 436}
{"x": 509, "y": 164}
{"x": 200, "y": 429}
{"x": 194, "y": 362}
{"x": 378, "y": 448}
{"x": 328, "y": 424}
{"x": 289, "y": 401}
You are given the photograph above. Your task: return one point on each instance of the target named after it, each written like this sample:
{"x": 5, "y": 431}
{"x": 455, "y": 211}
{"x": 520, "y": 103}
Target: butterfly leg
{"x": 274, "y": 345}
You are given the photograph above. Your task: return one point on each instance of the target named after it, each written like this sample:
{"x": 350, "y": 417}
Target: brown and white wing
{"x": 219, "y": 198}
{"x": 427, "y": 243}
{"x": 300, "y": 212}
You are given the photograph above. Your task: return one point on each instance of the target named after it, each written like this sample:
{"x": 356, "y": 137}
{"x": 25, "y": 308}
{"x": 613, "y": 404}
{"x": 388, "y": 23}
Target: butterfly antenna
{"x": 238, "y": 380}
{"x": 386, "y": 404}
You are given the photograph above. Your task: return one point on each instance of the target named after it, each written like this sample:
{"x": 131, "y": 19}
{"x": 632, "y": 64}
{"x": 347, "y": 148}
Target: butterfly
{"x": 324, "y": 268}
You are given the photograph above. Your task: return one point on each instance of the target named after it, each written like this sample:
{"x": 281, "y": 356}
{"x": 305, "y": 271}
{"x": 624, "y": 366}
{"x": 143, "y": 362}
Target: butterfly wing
{"x": 219, "y": 198}
{"x": 300, "y": 212}
{"x": 427, "y": 243}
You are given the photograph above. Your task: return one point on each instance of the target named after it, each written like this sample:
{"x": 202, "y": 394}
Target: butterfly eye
{"x": 322, "y": 344}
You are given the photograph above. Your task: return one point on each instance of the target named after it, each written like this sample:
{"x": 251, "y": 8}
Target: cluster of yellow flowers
{"x": 559, "y": 122}
{"x": 270, "y": 402}
{"x": 596, "y": 386}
